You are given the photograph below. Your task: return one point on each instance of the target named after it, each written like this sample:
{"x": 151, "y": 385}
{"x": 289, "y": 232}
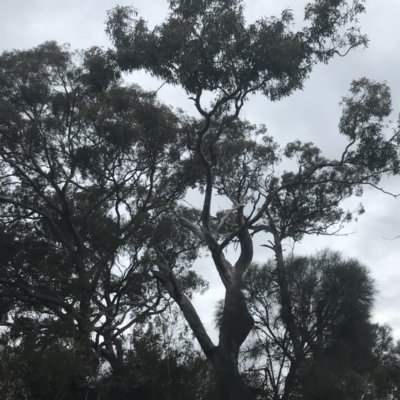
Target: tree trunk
{"x": 236, "y": 325}
{"x": 288, "y": 320}
{"x": 229, "y": 385}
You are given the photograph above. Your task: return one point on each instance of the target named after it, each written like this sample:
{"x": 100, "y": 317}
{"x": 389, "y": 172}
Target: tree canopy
{"x": 87, "y": 173}
{"x": 96, "y": 232}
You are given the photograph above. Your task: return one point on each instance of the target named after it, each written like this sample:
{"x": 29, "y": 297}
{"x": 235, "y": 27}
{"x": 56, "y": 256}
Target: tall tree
{"x": 93, "y": 173}
{"x": 207, "y": 48}
{"x": 88, "y": 167}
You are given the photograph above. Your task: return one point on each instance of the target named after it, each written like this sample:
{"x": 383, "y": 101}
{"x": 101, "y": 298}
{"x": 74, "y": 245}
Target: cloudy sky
{"x": 312, "y": 115}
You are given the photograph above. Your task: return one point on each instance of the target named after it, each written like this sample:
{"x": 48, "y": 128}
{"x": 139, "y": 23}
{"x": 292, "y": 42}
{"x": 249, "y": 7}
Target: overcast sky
{"x": 310, "y": 115}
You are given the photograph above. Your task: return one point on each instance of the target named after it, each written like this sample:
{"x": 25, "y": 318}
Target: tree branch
{"x": 168, "y": 280}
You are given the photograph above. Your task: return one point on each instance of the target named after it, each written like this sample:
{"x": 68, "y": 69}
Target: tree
{"x": 95, "y": 235}
{"x": 331, "y": 300}
{"x": 207, "y": 48}
{"x": 88, "y": 169}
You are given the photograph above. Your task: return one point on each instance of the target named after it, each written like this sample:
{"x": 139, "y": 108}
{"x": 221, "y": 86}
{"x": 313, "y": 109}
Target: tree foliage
{"x": 331, "y": 300}
{"x": 96, "y": 233}
{"x": 88, "y": 168}
{"x": 206, "y": 48}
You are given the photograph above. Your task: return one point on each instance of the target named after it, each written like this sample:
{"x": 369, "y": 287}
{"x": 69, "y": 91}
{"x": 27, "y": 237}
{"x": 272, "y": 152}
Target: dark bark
{"x": 236, "y": 325}
{"x": 287, "y": 313}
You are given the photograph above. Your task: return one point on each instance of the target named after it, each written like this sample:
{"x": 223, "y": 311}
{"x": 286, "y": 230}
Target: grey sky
{"x": 310, "y": 115}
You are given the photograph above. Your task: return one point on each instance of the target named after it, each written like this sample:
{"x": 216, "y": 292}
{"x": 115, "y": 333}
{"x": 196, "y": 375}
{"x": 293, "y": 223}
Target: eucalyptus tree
{"x": 207, "y": 48}
{"x": 88, "y": 168}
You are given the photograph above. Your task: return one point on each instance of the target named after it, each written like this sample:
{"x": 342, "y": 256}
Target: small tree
{"x": 331, "y": 300}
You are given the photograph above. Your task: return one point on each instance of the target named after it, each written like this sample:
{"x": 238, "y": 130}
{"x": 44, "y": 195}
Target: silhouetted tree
{"x": 207, "y": 48}
{"x": 331, "y": 300}
{"x": 88, "y": 167}
{"x": 93, "y": 174}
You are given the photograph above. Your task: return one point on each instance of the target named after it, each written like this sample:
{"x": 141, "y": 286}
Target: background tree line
{"x": 97, "y": 242}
